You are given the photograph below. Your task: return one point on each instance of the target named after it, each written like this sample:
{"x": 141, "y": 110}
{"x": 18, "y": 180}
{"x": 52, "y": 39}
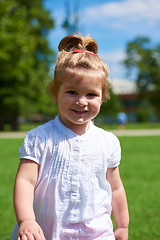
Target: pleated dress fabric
{"x": 72, "y": 196}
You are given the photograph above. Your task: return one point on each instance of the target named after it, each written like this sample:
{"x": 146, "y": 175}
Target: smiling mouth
{"x": 79, "y": 111}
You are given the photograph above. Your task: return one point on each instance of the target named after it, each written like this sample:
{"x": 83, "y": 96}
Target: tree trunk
{"x": 14, "y": 121}
{"x": 2, "y": 122}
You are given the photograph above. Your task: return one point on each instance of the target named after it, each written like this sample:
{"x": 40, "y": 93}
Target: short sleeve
{"x": 32, "y": 147}
{"x": 115, "y": 154}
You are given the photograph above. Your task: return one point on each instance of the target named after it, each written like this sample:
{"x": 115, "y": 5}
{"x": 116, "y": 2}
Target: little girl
{"x": 68, "y": 183}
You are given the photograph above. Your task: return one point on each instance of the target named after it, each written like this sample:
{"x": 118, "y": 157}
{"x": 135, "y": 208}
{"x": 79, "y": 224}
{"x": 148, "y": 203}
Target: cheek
{"x": 65, "y": 101}
{"x": 68, "y": 100}
{"x": 96, "y": 104}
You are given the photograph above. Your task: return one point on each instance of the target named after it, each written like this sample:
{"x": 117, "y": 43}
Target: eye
{"x": 72, "y": 92}
{"x": 92, "y": 95}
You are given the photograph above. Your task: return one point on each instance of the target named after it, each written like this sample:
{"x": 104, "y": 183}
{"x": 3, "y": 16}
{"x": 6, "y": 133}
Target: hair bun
{"x": 71, "y": 42}
{"x": 90, "y": 44}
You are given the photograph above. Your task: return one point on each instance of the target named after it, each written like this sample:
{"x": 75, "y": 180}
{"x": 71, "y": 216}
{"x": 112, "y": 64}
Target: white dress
{"x": 72, "y": 196}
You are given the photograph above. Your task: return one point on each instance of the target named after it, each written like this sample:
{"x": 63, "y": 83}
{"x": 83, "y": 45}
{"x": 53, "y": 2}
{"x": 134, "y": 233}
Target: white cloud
{"x": 116, "y": 55}
{"x": 121, "y": 14}
{"x": 114, "y": 60}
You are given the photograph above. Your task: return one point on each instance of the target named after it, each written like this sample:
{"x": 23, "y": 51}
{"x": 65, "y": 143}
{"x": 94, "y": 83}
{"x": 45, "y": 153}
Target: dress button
{"x": 76, "y": 157}
{"x": 75, "y": 171}
{"x": 75, "y": 148}
{"x": 73, "y": 188}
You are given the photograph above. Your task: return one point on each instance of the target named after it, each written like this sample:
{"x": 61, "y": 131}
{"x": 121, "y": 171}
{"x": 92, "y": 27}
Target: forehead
{"x": 88, "y": 77}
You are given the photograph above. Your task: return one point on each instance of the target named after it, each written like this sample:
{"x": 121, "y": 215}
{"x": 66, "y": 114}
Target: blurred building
{"x": 124, "y": 87}
{"x": 127, "y": 92}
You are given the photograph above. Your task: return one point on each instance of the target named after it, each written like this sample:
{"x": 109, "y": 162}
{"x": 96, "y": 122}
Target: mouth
{"x": 80, "y": 112}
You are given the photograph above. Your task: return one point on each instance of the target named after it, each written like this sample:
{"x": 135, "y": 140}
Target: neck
{"x": 79, "y": 129}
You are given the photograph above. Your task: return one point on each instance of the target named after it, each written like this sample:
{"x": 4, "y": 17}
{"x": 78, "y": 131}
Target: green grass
{"x": 9, "y": 159}
{"x": 139, "y": 169}
{"x": 145, "y": 125}
{"x": 140, "y": 173}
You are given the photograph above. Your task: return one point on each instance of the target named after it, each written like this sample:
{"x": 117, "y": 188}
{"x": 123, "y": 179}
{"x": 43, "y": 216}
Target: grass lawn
{"x": 112, "y": 126}
{"x": 139, "y": 171}
{"x": 9, "y": 159}
{"x": 146, "y": 125}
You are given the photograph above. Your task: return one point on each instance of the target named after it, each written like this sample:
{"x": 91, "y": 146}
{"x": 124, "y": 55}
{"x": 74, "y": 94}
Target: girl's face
{"x": 79, "y": 100}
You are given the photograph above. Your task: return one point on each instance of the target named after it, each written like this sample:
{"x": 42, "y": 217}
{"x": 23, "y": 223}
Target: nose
{"x": 82, "y": 101}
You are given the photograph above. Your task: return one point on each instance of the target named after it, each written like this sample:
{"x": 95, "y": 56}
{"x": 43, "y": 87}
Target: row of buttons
{"x": 75, "y": 171}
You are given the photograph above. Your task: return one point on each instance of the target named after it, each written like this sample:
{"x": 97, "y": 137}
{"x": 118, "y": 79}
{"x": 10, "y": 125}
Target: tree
{"x": 25, "y": 56}
{"x": 143, "y": 58}
{"x": 109, "y": 109}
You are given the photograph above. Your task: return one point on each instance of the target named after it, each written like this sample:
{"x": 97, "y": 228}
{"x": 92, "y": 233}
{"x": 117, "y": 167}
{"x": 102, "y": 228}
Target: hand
{"x": 30, "y": 230}
{"x": 121, "y": 233}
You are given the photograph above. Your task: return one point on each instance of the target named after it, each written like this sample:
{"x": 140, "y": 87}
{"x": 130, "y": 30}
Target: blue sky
{"x": 112, "y": 23}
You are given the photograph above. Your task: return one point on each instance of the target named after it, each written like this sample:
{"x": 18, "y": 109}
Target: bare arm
{"x": 119, "y": 204}
{"x": 23, "y": 200}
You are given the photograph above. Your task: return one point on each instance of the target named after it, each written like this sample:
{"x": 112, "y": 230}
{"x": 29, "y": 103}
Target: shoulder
{"x": 110, "y": 145}
{"x": 42, "y": 131}
{"x": 108, "y": 141}
{"x": 36, "y": 141}
{"x": 106, "y": 135}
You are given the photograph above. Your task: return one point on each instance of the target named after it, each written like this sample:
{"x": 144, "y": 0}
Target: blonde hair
{"x": 79, "y": 63}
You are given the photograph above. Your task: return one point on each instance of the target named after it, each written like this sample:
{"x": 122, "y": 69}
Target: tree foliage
{"x": 143, "y": 59}
{"x": 25, "y": 56}
{"x": 112, "y": 106}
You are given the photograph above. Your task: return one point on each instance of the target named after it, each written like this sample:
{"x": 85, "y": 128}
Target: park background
{"x": 128, "y": 35}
